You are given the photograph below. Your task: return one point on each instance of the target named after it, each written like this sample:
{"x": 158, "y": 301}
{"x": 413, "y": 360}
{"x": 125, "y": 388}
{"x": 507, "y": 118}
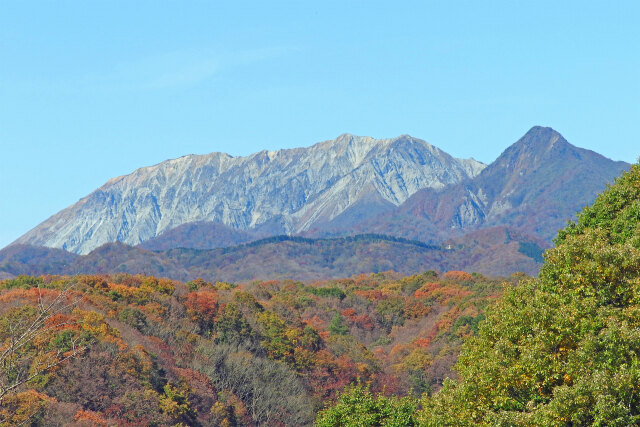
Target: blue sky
{"x": 93, "y": 90}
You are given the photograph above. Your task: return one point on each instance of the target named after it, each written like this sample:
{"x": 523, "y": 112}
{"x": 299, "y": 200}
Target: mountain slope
{"x": 284, "y": 191}
{"x": 200, "y": 235}
{"x": 27, "y": 259}
{"x": 494, "y": 251}
{"x": 536, "y": 185}
{"x": 541, "y": 181}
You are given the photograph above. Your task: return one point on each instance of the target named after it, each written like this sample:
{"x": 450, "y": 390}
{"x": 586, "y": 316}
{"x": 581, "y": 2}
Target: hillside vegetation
{"x": 161, "y": 352}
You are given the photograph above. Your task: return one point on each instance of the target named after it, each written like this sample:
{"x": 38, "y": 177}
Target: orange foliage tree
{"x": 458, "y": 276}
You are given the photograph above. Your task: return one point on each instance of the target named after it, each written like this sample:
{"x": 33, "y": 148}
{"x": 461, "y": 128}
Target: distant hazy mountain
{"x": 270, "y": 192}
{"x": 200, "y": 235}
{"x": 493, "y": 251}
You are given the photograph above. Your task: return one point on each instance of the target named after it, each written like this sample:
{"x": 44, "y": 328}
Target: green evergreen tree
{"x": 337, "y": 326}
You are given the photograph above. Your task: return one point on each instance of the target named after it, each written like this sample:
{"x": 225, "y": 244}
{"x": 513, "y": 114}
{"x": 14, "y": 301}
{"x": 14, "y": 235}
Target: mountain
{"x": 28, "y": 259}
{"x": 200, "y": 235}
{"x": 496, "y": 251}
{"x": 402, "y": 187}
{"x": 270, "y": 192}
{"x": 535, "y": 186}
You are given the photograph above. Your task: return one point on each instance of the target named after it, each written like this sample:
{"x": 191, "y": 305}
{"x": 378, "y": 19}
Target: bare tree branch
{"x": 17, "y": 365}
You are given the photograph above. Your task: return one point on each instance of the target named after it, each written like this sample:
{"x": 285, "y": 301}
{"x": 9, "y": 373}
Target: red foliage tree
{"x": 202, "y": 306}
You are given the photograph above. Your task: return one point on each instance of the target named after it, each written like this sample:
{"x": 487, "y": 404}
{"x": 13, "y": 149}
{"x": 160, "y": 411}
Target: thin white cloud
{"x": 184, "y": 68}
{"x": 176, "y": 69}
{"x": 170, "y": 70}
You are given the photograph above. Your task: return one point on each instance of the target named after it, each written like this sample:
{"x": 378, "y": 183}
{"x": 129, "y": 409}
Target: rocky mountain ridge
{"x": 401, "y": 187}
{"x": 270, "y": 192}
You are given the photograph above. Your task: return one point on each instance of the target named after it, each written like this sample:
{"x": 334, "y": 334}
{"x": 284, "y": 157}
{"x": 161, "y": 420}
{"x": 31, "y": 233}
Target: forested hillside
{"x": 497, "y": 251}
{"x": 149, "y": 351}
{"x": 562, "y": 349}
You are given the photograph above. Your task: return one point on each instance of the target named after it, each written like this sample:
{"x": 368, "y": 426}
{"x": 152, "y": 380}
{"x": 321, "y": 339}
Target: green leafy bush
{"x": 357, "y": 406}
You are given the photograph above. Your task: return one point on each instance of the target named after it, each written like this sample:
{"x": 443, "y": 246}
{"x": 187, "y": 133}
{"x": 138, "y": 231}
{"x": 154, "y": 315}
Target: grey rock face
{"x": 296, "y": 188}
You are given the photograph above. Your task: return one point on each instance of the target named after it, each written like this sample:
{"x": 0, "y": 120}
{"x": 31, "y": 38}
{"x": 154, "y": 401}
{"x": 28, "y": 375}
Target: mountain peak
{"x": 539, "y": 144}
{"x": 352, "y": 137}
{"x": 540, "y": 135}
